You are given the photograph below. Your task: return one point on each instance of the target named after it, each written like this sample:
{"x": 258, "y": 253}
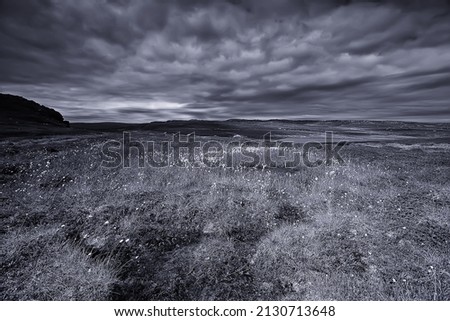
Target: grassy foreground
{"x": 376, "y": 229}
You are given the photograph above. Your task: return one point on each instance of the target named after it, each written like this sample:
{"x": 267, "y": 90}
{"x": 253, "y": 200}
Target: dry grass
{"x": 376, "y": 229}
{"x": 40, "y": 265}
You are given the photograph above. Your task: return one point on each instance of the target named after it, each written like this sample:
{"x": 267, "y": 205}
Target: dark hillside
{"x": 20, "y": 116}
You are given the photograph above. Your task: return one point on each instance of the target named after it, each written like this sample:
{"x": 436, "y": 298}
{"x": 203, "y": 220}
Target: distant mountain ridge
{"x": 23, "y": 117}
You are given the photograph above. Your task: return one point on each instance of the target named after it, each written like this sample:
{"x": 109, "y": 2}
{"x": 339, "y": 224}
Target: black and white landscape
{"x": 225, "y": 150}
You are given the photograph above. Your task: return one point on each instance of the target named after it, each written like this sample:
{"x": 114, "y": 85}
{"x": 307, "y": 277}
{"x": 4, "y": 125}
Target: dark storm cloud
{"x": 149, "y": 60}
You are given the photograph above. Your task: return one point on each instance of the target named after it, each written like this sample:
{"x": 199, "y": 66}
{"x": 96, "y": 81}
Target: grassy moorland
{"x": 375, "y": 229}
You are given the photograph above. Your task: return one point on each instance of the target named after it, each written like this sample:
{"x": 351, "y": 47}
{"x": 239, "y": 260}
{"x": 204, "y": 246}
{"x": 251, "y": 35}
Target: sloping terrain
{"x": 20, "y": 116}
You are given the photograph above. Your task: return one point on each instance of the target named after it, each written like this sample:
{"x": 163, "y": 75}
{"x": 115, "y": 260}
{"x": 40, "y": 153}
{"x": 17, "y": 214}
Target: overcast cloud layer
{"x": 141, "y": 61}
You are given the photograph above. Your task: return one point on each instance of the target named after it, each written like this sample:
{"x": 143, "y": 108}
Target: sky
{"x": 141, "y": 61}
